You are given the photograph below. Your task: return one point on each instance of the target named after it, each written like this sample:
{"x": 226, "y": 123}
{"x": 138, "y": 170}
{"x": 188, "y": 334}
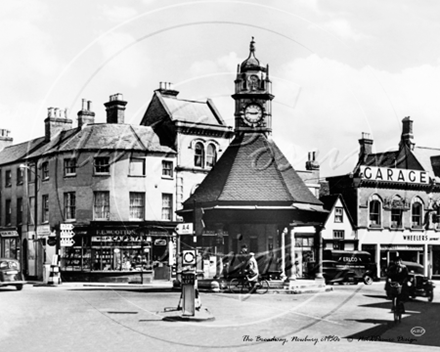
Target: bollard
{"x": 54, "y": 275}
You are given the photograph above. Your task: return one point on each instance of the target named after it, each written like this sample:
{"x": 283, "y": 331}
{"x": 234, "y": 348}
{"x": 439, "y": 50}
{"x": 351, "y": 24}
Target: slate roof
{"x": 404, "y": 158}
{"x": 91, "y": 137}
{"x": 252, "y": 170}
{"x": 19, "y": 151}
{"x": 191, "y": 111}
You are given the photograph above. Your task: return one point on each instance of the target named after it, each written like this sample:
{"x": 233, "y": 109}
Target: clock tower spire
{"x": 253, "y": 98}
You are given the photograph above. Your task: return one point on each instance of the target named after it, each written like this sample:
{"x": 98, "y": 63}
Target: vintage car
{"x": 10, "y": 273}
{"x": 417, "y": 284}
{"x": 339, "y": 266}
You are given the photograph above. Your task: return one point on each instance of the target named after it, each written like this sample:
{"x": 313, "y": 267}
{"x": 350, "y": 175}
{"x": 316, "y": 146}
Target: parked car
{"x": 10, "y": 273}
{"x": 418, "y": 284}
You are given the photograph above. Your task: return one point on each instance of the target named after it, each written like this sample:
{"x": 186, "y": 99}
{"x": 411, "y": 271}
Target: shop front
{"x": 9, "y": 244}
{"x": 422, "y": 248}
{"x": 119, "y": 253}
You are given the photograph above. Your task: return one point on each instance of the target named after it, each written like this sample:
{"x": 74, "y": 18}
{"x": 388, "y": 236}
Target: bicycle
{"x": 398, "y": 306}
{"x": 243, "y": 285}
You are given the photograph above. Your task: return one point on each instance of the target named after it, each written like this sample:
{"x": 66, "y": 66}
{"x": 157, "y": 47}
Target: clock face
{"x": 253, "y": 113}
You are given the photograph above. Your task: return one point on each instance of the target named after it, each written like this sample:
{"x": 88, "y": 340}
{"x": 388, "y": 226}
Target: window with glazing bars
{"x": 45, "y": 208}
{"x": 101, "y": 207}
{"x": 20, "y": 176}
{"x": 417, "y": 214}
{"x": 8, "y": 212}
{"x": 102, "y": 165}
{"x": 167, "y": 206}
{"x": 211, "y": 155}
{"x": 70, "y": 205}
{"x": 137, "y": 205}
{"x": 69, "y": 167}
{"x": 167, "y": 168}
{"x": 45, "y": 170}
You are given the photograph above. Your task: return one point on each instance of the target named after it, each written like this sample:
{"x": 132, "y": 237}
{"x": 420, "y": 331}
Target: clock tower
{"x": 253, "y": 98}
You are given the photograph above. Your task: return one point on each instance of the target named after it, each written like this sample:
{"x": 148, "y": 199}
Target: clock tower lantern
{"x": 253, "y": 98}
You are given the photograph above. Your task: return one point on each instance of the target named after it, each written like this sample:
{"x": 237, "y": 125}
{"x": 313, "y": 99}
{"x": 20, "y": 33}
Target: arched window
{"x": 396, "y": 212}
{"x": 211, "y": 155}
{"x": 199, "y": 155}
{"x": 375, "y": 211}
{"x": 417, "y": 214}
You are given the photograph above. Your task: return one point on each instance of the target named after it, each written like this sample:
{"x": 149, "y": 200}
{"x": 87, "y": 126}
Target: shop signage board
{"x": 66, "y": 242}
{"x": 186, "y": 228}
{"x": 43, "y": 230}
{"x": 374, "y": 173}
{"x": 8, "y": 233}
{"x": 66, "y": 235}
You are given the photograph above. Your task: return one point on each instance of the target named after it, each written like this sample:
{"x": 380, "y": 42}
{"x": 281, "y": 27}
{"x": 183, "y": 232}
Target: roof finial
{"x": 252, "y": 46}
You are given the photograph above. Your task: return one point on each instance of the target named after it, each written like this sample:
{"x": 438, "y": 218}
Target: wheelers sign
{"x": 375, "y": 173}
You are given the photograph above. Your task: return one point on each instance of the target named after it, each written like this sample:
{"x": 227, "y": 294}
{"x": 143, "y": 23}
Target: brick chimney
{"x": 115, "y": 108}
{"x": 407, "y": 133}
{"x": 313, "y": 165}
{"x": 86, "y": 115}
{"x": 366, "y": 146}
{"x": 5, "y": 140}
{"x": 56, "y": 122}
{"x": 166, "y": 88}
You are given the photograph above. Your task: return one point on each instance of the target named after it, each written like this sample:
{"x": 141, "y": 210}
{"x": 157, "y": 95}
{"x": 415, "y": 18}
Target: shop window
{"x": 339, "y": 214}
{"x": 8, "y": 178}
{"x": 102, "y": 165}
{"x": 70, "y": 167}
{"x": 70, "y": 205}
{"x": 101, "y": 206}
{"x": 137, "y": 205}
{"x": 19, "y": 211}
{"x": 8, "y": 212}
{"x": 45, "y": 208}
{"x": 45, "y": 170}
{"x": 167, "y": 206}
{"x": 375, "y": 209}
{"x": 199, "y": 155}
{"x": 211, "y": 155}
{"x": 11, "y": 248}
{"x": 137, "y": 167}
{"x": 167, "y": 168}
{"x": 417, "y": 214}
{"x": 20, "y": 176}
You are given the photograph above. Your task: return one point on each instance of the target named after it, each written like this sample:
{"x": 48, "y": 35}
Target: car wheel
{"x": 19, "y": 287}
{"x": 431, "y": 296}
{"x": 368, "y": 280}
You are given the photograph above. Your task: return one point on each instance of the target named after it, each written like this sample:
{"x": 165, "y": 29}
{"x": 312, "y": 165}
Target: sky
{"x": 338, "y": 67}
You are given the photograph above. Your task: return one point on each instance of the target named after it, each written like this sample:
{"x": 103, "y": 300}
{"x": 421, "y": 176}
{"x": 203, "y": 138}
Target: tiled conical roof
{"x": 252, "y": 171}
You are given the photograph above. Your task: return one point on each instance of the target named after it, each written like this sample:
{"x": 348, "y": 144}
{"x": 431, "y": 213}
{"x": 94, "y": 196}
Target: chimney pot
{"x": 115, "y": 108}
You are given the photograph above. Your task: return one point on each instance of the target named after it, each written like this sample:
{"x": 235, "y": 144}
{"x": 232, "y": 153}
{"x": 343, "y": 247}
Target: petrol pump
{"x": 189, "y": 303}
